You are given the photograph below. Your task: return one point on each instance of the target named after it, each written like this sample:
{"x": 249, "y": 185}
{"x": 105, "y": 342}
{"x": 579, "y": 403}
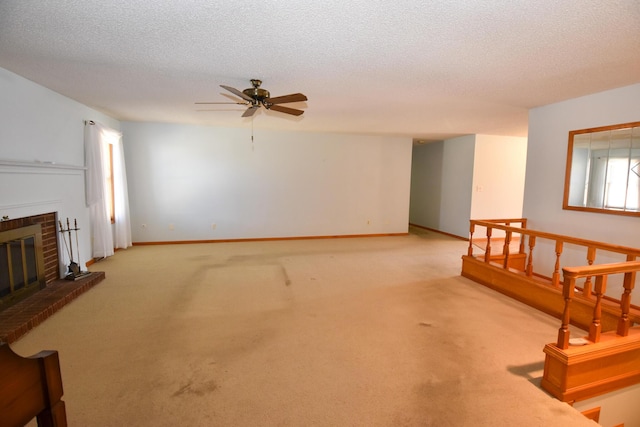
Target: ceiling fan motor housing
{"x": 256, "y": 92}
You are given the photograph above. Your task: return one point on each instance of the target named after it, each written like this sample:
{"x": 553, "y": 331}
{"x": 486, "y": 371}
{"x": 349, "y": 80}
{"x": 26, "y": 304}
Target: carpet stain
{"x": 196, "y": 389}
{"x": 287, "y": 280}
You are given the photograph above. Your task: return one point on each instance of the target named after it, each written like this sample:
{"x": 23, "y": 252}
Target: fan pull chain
{"x": 252, "y": 146}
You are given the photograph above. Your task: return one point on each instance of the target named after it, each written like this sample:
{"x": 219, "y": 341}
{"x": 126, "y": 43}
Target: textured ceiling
{"x": 425, "y": 69}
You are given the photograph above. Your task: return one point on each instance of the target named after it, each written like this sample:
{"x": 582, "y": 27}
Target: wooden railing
{"x": 601, "y": 274}
{"x": 490, "y": 224}
{"x": 609, "y": 357}
{"x": 527, "y": 244}
{"x": 607, "y": 361}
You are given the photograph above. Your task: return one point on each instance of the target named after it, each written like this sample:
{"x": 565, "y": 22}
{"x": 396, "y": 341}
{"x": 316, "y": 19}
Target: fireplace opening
{"x": 28, "y": 256}
{"x": 21, "y": 264}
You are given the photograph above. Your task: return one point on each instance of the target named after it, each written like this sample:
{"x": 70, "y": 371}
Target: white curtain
{"x": 122, "y": 231}
{"x": 97, "y": 141}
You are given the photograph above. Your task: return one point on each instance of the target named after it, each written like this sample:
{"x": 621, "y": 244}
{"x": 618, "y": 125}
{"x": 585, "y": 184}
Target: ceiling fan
{"x": 255, "y": 97}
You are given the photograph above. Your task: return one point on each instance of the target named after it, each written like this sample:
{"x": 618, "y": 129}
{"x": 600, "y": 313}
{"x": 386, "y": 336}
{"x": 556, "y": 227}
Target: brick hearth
{"x": 20, "y": 318}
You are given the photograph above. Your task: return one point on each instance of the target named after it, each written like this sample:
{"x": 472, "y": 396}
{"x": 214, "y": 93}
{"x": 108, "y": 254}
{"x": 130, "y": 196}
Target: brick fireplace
{"x": 29, "y": 309}
{"x": 30, "y": 243}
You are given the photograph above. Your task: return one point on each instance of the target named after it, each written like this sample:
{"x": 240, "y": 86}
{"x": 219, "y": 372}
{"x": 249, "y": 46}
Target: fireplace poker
{"x": 70, "y": 241}
{"x": 64, "y": 239}
{"x": 74, "y": 269}
{"x": 75, "y": 228}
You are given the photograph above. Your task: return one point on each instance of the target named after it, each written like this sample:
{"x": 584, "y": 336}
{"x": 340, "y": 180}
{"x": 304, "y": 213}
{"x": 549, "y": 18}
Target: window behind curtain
{"x": 107, "y": 156}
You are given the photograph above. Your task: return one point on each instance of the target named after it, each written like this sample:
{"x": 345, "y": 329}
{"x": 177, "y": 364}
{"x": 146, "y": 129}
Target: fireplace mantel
{"x": 39, "y": 164}
{"x": 21, "y": 210}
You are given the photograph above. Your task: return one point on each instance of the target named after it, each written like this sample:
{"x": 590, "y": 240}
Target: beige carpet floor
{"x": 377, "y": 331}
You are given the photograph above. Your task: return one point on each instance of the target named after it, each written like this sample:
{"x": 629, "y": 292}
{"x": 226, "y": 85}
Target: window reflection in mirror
{"x": 603, "y": 170}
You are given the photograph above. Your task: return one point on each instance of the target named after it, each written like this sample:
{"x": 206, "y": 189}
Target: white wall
{"x": 549, "y": 128}
{"x": 184, "y": 178}
{"x": 457, "y": 183}
{"x": 426, "y": 184}
{"x": 474, "y": 176}
{"x": 616, "y": 408}
{"x": 498, "y": 177}
{"x": 39, "y": 125}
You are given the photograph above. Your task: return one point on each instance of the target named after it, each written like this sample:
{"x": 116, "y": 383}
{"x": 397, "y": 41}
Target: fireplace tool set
{"x": 74, "y": 272}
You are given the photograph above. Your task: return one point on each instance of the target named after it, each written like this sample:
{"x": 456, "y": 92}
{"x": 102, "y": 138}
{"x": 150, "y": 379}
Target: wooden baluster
{"x": 505, "y": 249}
{"x": 521, "y": 248}
{"x": 595, "y": 328}
{"x": 487, "y": 250}
{"x": 563, "y": 333}
{"x": 556, "y": 272}
{"x": 472, "y": 228}
{"x": 532, "y": 244}
{"x": 625, "y": 303}
{"x": 591, "y": 256}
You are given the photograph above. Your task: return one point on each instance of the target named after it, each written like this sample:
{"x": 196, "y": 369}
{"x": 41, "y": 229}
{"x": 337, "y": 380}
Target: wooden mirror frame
{"x": 567, "y": 182}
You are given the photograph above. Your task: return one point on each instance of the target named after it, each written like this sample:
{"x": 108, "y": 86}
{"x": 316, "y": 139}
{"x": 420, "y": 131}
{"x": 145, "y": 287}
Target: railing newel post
{"x": 563, "y": 332}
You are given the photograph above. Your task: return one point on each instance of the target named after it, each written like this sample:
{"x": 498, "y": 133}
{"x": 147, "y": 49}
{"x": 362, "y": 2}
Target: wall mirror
{"x": 603, "y": 170}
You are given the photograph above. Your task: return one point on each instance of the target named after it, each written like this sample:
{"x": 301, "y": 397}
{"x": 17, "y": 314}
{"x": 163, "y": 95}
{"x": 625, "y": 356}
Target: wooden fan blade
{"x": 237, "y": 92}
{"x": 286, "y": 110}
{"x": 250, "y": 111}
{"x": 207, "y": 103}
{"x": 294, "y": 97}
{"x": 217, "y": 109}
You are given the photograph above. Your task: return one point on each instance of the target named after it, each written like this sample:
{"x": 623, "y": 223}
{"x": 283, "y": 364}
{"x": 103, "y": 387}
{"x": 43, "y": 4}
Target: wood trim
{"x": 466, "y": 239}
{"x": 560, "y": 237}
{"x": 567, "y": 174}
{"x": 583, "y": 372}
{"x": 94, "y": 260}
{"x": 608, "y": 127}
{"x": 266, "y": 239}
{"x": 540, "y": 294}
{"x": 599, "y": 269}
{"x": 592, "y": 414}
{"x": 506, "y": 221}
{"x": 601, "y": 211}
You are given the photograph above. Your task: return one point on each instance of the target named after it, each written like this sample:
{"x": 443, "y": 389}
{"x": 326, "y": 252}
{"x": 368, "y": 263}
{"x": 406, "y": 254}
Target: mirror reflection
{"x": 603, "y": 170}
